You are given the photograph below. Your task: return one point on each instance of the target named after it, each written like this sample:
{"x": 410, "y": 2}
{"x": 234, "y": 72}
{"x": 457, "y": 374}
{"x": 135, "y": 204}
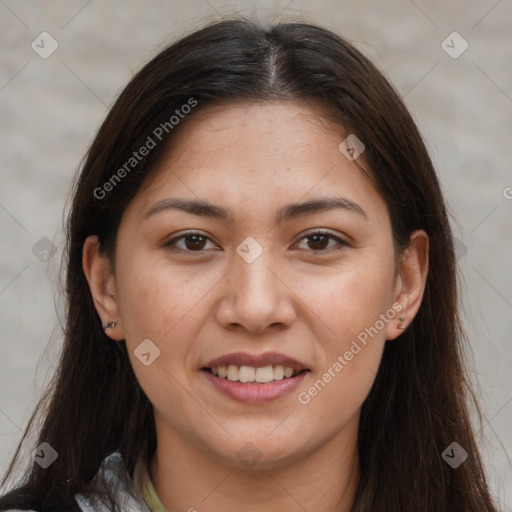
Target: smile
{"x": 261, "y": 375}
{"x": 255, "y": 379}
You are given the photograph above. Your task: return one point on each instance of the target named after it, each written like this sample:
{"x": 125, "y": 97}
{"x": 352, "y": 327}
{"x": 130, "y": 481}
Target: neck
{"x": 186, "y": 479}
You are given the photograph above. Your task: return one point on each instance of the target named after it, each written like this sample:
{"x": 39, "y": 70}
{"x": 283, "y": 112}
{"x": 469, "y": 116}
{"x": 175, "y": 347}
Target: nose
{"x": 255, "y": 296}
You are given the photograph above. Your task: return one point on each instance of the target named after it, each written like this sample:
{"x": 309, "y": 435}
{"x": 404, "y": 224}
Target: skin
{"x": 308, "y": 304}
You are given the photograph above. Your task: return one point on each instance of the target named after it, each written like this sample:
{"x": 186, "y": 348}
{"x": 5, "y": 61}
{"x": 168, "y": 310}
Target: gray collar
{"x": 112, "y": 471}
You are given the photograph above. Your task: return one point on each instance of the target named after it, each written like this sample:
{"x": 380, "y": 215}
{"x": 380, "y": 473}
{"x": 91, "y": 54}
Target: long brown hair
{"x": 419, "y": 402}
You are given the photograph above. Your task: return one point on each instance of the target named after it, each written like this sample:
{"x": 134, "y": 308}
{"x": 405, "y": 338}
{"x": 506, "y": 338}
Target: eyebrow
{"x": 288, "y": 212}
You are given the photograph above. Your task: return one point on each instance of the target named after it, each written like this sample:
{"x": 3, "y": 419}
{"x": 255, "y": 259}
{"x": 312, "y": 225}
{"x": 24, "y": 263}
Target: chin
{"x": 263, "y": 452}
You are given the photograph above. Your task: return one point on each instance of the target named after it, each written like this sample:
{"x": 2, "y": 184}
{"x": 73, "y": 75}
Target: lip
{"x": 254, "y": 393}
{"x": 256, "y": 360}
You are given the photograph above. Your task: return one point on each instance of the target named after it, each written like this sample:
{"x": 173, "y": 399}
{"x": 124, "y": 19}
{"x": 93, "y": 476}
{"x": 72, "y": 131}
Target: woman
{"x": 262, "y": 303}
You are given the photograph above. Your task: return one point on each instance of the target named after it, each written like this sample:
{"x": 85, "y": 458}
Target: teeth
{"x": 278, "y": 372}
{"x": 247, "y": 373}
{"x": 264, "y": 374}
{"x": 261, "y": 375}
{"x": 233, "y": 372}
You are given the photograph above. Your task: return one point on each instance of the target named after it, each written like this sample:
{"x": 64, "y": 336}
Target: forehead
{"x": 267, "y": 153}
{"x": 251, "y": 130}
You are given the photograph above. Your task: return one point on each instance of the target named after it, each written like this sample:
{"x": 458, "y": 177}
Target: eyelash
{"x": 341, "y": 243}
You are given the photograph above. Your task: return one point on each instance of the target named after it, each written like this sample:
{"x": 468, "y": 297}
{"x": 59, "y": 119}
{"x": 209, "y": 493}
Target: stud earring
{"x": 109, "y": 325}
{"x": 401, "y": 325}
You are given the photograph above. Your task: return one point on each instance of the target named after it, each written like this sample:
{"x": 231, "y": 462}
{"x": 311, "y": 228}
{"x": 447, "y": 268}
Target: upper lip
{"x": 256, "y": 360}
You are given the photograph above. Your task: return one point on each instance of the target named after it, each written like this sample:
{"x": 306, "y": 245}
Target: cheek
{"x": 349, "y": 364}
{"x": 161, "y": 304}
{"x": 158, "y": 299}
{"x": 350, "y": 299}
{"x": 355, "y": 306}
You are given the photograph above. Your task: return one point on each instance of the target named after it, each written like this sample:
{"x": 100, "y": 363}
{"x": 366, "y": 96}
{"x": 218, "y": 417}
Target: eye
{"x": 320, "y": 241}
{"x": 190, "y": 242}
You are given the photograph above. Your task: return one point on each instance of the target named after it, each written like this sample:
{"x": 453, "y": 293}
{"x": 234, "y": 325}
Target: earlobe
{"x": 98, "y": 271}
{"x": 411, "y": 282}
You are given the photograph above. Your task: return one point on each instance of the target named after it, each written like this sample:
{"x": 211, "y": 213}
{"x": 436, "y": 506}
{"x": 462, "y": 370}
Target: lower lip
{"x": 254, "y": 393}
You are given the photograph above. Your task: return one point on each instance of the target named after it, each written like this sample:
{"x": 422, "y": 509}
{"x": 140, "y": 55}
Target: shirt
{"x": 137, "y": 495}
{"x": 128, "y": 497}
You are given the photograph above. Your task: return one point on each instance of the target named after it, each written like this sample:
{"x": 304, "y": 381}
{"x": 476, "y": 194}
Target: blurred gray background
{"x": 53, "y": 103}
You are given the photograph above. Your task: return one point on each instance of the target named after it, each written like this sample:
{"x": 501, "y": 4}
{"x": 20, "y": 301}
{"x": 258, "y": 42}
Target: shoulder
{"x": 112, "y": 473}
{"x": 18, "y": 510}
{"x": 21, "y": 499}
{"x": 113, "y": 476}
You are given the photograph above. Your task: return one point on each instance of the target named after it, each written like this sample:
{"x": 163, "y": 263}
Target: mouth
{"x": 251, "y": 374}
{"x": 255, "y": 379}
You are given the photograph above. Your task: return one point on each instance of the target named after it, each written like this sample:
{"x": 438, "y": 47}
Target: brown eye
{"x": 318, "y": 242}
{"x": 322, "y": 241}
{"x": 191, "y": 242}
{"x": 194, "y": 242}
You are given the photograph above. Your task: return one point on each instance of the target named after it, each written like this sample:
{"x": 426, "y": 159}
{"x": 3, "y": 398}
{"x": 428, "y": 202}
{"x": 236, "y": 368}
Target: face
{"x": 265, "y": 311}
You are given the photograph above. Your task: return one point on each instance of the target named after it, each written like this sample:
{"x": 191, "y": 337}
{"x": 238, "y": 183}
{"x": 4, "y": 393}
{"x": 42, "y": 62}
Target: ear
{"x": 410, "y": 283}
{"x": 98, "y": 271}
